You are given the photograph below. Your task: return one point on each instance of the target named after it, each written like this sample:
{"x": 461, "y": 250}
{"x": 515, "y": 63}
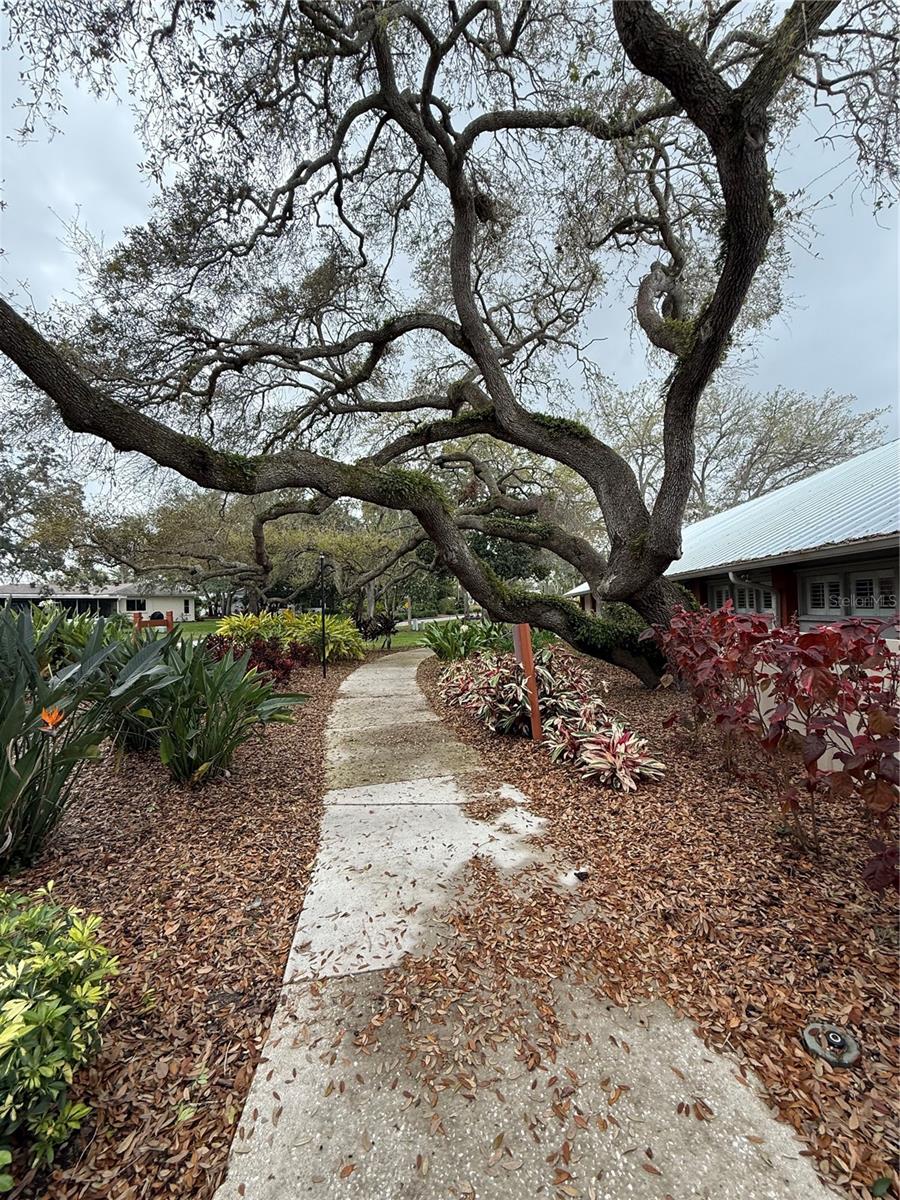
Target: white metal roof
{"x": 39, "y": 591}
{"x": 858, "y": 501}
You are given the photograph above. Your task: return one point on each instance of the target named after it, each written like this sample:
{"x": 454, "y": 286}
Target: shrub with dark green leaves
{"x": 54, "y": 989}
{"x": 382, "y": 626}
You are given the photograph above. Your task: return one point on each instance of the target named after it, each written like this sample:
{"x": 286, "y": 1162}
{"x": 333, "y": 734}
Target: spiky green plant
{"x": 209, "y": 708}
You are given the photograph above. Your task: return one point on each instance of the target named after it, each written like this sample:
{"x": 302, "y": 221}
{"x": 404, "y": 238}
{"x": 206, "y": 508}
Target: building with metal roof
{"x": 824, "y": 547}
{"x": 148, "y": 600}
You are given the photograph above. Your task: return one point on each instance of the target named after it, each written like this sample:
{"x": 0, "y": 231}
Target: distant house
{"x": 823, "y": 548}
{"x": 151, "y": 602}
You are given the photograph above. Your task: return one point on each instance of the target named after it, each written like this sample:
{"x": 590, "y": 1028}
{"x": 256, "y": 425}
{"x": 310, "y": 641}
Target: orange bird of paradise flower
{"x": 51, "y": 718}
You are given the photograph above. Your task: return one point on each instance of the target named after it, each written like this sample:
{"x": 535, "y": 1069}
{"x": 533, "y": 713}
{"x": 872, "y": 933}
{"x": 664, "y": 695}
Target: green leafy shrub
{"x": 343, "y": 641}
{"x": 53, "y": 997}
{"x": 71, "y": 632}
{"x": 50, "y": 725}
{"x": 209, "y": 708}
{"x": 243, "y": 628}
{"x": 455, "y": 640}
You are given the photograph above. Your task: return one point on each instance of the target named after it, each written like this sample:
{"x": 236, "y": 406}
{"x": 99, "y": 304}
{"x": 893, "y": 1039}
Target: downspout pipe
{"x": 757, "y": 587}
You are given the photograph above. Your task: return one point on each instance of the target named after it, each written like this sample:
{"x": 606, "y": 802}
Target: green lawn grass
{"x": 404, "y": 638}
{"x": 196, "y": 628}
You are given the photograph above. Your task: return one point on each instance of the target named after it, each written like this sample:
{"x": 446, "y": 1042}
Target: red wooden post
{"x": 170, "y": 622}
{"x": 525, "y": 659}
{"x": 136, "y": 620}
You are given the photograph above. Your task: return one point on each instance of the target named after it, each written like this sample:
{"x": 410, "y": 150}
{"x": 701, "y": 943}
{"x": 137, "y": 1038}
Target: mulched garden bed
{"x": 696, "y": 895}
{"x": 199, "y": 892}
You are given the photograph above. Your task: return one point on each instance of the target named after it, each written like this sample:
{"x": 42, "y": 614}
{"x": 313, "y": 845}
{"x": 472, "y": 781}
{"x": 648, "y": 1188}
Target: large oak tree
{"x": 380, "y": 226}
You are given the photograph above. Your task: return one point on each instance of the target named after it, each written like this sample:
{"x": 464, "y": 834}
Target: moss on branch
{"x": 562, "y": 425}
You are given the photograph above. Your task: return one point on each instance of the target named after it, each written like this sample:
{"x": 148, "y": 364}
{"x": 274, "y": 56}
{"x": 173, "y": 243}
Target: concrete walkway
{"x": 324, "y": 1118}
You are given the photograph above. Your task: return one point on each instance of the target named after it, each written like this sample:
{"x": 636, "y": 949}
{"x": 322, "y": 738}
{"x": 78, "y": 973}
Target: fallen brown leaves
{"x": 697, "y": 897}
{"x": 199, "y": 893}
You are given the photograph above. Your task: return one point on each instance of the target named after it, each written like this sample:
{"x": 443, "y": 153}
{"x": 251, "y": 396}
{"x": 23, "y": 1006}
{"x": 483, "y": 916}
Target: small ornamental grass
{"x": 577, "y": 727}
{"x": 54, "y": 988}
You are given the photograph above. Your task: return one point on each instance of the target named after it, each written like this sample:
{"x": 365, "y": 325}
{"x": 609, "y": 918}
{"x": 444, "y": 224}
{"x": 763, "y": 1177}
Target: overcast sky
{"x": 841, "y": 332}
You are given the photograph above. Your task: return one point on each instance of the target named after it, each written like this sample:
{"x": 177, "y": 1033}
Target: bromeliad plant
{"x": 618, "y": 758}
{"x": 210, "y": 707}
{"x": 54, "y": 988}
{"x": 494, "y": 690}
{"x": 51, "y": 725}
{"x": 577, "y": 727}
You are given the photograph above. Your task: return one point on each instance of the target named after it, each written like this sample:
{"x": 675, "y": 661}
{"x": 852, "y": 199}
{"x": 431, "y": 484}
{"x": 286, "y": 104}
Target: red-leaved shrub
{"x": 831, "y": 693}
{"x": 266, "y": 654}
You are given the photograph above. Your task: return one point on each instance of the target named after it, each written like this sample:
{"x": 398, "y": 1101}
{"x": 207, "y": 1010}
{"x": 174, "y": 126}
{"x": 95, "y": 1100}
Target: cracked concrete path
{"x": 325, "y": 1118}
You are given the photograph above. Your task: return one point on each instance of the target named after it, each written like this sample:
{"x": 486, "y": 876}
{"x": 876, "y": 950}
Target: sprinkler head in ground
{"x": 835, "y": 1045}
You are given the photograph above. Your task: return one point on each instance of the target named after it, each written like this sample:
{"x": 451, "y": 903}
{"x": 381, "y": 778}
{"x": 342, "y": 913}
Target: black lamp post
{"x": 322, "y": 588}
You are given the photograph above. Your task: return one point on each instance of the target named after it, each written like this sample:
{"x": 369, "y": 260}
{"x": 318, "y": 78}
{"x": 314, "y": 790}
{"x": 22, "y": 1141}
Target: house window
{"x": 873, "y": 594}
{"x": 767, "y": 604}
{"x": 823, "y": 595}
{"x": 187, "y": 608}
{"x": 740, "y": 599}
{"x": 864, "y": 592}
{"x": 721, "y": 593}
{"x": 135, "y": 604}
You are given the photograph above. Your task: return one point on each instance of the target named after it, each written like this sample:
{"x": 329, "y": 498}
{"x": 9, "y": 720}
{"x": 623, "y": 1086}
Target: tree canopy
{"x": 379, "y": 228}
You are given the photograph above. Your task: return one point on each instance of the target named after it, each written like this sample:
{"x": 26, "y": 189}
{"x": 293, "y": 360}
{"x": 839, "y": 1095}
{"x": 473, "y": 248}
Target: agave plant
{"x": 618, "y": 758}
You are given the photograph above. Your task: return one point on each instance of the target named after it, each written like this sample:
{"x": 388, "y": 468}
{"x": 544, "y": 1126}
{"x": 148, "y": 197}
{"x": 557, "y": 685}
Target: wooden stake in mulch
{"x": 525, "y": 659}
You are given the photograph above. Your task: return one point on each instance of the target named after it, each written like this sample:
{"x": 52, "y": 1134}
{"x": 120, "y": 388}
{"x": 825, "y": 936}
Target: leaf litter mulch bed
{"x": 199, "y": 892}
{"x": 693, "y": 895}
